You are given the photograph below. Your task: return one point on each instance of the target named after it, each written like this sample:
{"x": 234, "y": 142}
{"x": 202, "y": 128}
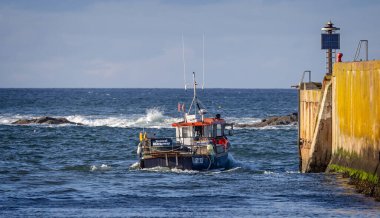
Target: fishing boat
{"x": 200, "y": 143}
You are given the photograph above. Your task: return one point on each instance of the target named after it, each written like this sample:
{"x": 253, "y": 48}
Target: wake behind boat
{"x": 200, "y": 142}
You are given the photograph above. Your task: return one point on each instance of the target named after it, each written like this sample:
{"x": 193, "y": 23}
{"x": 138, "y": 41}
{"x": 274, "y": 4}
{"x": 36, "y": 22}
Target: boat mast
{"x": 199, "y": 108}
{"x": 195, "y": 100}
{"x": 203, "y": 62}
{"x": 195, "y": 95}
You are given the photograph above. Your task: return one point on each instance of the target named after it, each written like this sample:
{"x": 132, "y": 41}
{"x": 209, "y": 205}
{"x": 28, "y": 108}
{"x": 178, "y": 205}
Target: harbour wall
{"x": 309, "y": 99}
{"x": 346, "y": 130}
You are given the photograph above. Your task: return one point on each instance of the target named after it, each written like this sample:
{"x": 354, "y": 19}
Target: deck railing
{"x": 176, "y": 144}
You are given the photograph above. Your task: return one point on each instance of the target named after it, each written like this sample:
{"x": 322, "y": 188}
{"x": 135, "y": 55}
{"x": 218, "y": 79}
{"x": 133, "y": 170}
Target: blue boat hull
{"x": 195, "y": 162}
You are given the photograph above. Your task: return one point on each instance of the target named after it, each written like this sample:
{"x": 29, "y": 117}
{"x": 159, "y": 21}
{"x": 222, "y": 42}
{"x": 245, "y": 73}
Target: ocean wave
{"x": 247, "y": 122}
{"x": 100, "y": 168}
{"x": 293, "y": 172}
{"x": 243, "y": 120}
{"x": 9, "y": 119}
{"x": 282, "y": 127}
{"x": 87, "y": 168}
{"x": 170, "y": 170}
{"x": 135, "y": 166}
{"x": 153, "y": 118}
{"x": 268, "y": 172}
{"x": 277, "y": 127}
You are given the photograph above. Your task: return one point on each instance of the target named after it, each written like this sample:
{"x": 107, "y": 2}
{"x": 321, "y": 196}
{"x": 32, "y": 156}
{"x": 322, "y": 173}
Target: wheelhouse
{"x": 190, "y": 132}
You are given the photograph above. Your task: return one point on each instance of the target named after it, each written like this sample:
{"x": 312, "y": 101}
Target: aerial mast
{"x": 203, "y": 61}
{"x": 195, "y": 95}
{"x": 184, "y": 62}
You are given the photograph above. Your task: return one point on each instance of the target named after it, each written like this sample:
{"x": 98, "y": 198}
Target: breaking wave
{"x": 153, "y": 118}
{"x": 243, "y": 120}
{"x": 4, "y": 119}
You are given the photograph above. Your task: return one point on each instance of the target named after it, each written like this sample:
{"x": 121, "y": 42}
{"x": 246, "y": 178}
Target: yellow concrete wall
{"x": 356, "y": 108}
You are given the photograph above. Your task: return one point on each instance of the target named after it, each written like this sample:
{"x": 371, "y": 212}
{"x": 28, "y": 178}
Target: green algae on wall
{"x": 366, "y": 183}
{"x": 354, "y": 173}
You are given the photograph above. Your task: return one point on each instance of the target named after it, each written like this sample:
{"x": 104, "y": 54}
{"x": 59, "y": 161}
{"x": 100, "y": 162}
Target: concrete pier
{"x": 309, "y": 98}
{"x": 339, "y": 126}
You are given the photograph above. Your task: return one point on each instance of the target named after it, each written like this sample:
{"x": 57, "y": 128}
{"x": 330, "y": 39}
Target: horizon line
{"x": 123, "y": 88}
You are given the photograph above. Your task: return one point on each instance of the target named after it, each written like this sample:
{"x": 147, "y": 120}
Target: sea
{"x": 91, "y": 170}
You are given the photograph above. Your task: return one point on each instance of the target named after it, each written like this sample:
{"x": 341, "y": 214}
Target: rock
{"x": 45, "y": 120}
{"x": 273, "y": 121}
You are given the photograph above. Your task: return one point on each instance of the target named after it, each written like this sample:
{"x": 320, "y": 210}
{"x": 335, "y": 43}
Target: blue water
{"x": 89, "y": 170}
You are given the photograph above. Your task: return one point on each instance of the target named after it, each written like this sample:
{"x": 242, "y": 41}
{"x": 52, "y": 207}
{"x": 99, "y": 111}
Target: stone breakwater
{"x": 272, "y": 121}
{"x": 45, "y": 120}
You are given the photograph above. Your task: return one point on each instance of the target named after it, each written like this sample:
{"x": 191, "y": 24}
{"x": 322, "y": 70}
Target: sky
{"x": 138, "y": 44}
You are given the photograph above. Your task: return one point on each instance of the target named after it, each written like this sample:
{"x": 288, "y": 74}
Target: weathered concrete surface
{"x": 272, "y": 121}
{"x": 356, "y": 121}
{"x": 45, "y": 120}
{"x": 320, "y": 149}
{"x": 347, "y": 127}
{"x": 309, "y": 98}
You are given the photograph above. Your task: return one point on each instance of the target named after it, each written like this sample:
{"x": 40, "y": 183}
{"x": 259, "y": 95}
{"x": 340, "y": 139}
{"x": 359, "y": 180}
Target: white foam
{"x": 170, "y": 170}
{"x": 277, "y": 127}
{"x": 8, "y": 119}
{"x": 293, "y": 172}
{"x": 153, "y": 115}
{"x": 100, "y": 121}
{"x": 135, "y": 166}
{"x": 105, "y": 167}
{"x": 157, "y": 169}
{"x": 175, "y": 170}
{"x": 232, "y": 169}
{"x": 284, "y": 127}
{"x": 268, "y": 172}
{"x": 153, "y": 118}
{"x": 101, "y": 167}
{"x": 242, "y": 120}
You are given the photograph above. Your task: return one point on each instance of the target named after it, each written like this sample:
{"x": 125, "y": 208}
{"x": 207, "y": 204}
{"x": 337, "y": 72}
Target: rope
{"x": 209, "y": 160}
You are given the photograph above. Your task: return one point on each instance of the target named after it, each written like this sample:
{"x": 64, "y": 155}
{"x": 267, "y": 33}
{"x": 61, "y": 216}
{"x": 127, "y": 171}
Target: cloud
{"x": 260, "y": 44}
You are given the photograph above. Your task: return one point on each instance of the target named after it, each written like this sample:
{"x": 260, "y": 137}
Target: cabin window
{"x": 219, "y": 131}
{"x": 207, "y": 131}
{"x": 186, "y": 132}
{"x": 198, "y": 131}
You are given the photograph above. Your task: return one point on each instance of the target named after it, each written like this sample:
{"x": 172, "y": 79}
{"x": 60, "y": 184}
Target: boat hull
{"x": 193, "y": 162}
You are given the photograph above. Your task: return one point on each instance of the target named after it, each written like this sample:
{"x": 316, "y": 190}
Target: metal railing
{"x": 177, "y": 145}
{"x": 358, "y": 49}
